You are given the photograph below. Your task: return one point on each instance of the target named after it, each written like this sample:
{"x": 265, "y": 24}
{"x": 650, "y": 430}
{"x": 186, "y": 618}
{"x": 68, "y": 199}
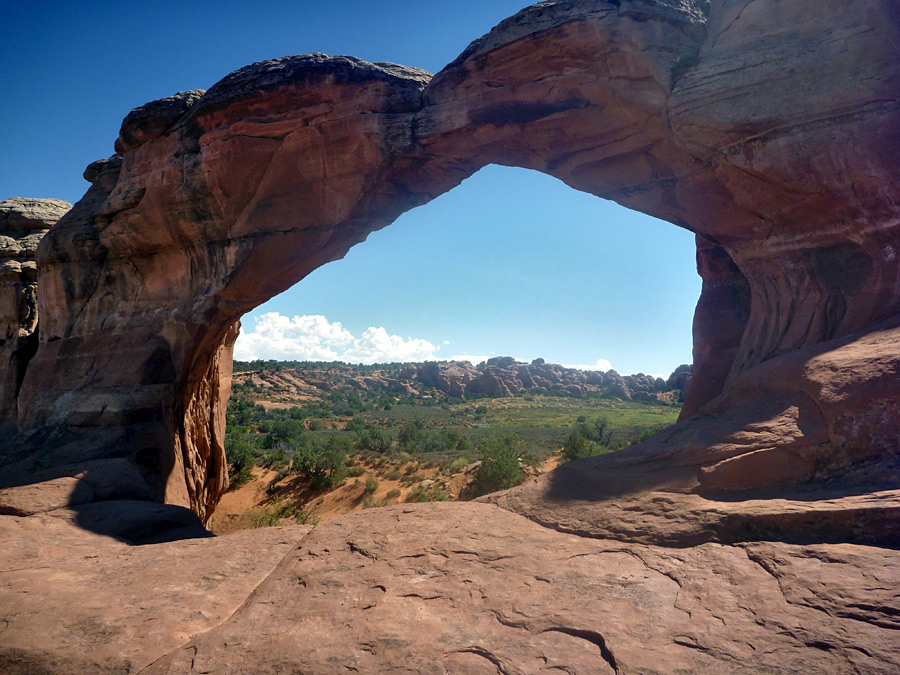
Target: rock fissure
{"x": 594, "y": 638}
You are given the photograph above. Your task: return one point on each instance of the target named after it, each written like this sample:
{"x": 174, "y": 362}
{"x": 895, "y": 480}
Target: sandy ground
{"x": 267, "y": 488}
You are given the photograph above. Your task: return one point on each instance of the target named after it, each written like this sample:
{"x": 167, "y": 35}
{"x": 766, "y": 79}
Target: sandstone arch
{"x": 216, "y": 201}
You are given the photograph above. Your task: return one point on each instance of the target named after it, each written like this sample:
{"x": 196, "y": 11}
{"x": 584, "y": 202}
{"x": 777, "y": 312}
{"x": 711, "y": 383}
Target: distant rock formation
{"x": 23, "y": 223}
{"x": 496, "y": 377}
{"x": 504, "y": 376}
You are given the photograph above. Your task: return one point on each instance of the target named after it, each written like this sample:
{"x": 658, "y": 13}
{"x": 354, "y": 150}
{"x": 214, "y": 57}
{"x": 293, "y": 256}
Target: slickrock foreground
{"x": 455, "y": 588}
{"x": 758, "y": 535}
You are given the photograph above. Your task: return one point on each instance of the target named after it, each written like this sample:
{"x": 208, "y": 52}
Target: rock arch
{"x": 720, "y": 120}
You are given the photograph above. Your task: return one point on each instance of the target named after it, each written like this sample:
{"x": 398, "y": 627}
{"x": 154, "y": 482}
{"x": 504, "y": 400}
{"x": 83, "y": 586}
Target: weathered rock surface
{"x": 23, "y": 223}
{"x": 758, "y": 535}
{"x": 456, "y": 588}
{"x": 73, "y": 601}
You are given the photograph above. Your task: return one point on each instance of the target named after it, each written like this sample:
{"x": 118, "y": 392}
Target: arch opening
{"x": 510, "y": 257}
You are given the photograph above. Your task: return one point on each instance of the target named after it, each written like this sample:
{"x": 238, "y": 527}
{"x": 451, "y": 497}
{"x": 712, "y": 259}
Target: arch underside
{"x": 217, "y": 201}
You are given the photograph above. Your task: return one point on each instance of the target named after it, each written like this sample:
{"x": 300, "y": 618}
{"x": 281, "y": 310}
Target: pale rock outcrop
{"x": 23, "y": 223}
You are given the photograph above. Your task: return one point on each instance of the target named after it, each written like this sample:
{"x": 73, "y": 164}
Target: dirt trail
{"x": 267, "y": 489}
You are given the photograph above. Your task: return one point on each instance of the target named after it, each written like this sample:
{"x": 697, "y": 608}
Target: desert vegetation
{"x": 311, "y": 428}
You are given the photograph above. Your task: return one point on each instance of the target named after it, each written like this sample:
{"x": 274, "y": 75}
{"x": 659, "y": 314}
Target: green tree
{"x": 375, "y": 440}
{"x": 588, "y": 438}
{"x": 442, "y": 440}
{"x": 239, "y": 453}
{"x": 358, "y": 423}
{"x": 287, "y": 431}
{"x": 499, "y": 465}
{"x": 412, "y": 436}
{"x": 321, "y": 462}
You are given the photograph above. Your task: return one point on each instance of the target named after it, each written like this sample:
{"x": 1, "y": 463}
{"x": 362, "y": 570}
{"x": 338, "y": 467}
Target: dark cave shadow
{"x": 104, "y": 494}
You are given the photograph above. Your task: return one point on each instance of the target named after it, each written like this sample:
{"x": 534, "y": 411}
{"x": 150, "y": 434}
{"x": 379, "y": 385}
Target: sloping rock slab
{"x": 470, "y": 588}
{"x": 72, "y": 601}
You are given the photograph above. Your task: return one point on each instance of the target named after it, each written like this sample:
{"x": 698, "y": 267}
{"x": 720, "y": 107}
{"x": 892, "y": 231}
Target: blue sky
{"x": 511, "y": 262}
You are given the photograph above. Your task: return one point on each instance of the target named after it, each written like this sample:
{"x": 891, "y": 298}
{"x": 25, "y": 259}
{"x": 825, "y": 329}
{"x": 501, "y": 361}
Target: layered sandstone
{"x": 23, "y": 223}
{"x": 498, "y": 377}
{"x": 757, "y": 535}
{"x": 218, "y": 200}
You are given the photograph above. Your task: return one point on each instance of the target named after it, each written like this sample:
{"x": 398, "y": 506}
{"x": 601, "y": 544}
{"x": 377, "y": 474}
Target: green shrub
{"x": 422, "y": 494}
{"x": 499, "y": 465}
{"x": 410, "y": 469}
{"x": 458, "y": 464}
{"x": 240, "y": 457}
{"x": 417, "y": 494}
{"x": 279, "y": 511}
{"x": 371, "y": 486}
{"x": 356, "y": 424}
{"x": 393, "y": 475}
{"x": 442, "y": 440}
{"x": 355, "y": 471}
{"x": 412, "y": 436}
{"x": 322, "y": 463}
{"x": 392, "y": 494}
{"x": 374, "y": 440}
{"x": 463, "y": 445}
{"x": 588, "y": 438}
{"x": 283, "y": 431}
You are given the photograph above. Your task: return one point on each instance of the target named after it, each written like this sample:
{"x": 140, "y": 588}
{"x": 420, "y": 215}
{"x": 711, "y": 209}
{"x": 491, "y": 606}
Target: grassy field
{"x": 430, "y": 426}
{"x": 541, "y": 423}
{"x": 323, "y": 447}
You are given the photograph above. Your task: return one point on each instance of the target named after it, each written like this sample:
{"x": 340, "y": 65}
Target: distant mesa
{"x": 503, "y": 376}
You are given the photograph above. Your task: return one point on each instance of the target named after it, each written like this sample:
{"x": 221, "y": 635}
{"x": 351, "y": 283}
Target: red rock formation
{"x": 23, "y": 222}
{"x": 723, "y": 122}
{"x": 457, "y": 588}
{"x": 769, "y": 130}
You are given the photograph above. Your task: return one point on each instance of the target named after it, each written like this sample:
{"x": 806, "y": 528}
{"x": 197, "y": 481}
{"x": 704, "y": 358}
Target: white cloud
{"x": 314, "y": 338}
{"x": 602, "y": 364}
{"x": 376, "y": 346}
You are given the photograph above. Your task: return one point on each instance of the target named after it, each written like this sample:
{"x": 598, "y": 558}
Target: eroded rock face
{"x": 23, "y": 223}
{"x": 219, "y": 200}
{"x": 456, "y": 588}
{"x": 757, "y": 535}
